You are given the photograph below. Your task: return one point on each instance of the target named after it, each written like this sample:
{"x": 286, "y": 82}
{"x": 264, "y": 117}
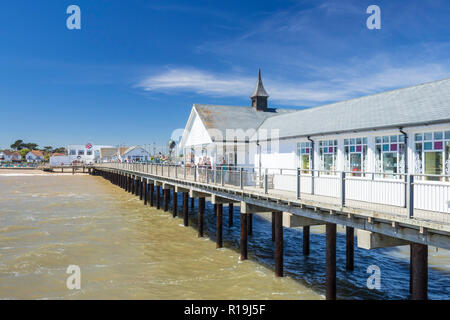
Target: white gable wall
{"x": 197, "y": 133}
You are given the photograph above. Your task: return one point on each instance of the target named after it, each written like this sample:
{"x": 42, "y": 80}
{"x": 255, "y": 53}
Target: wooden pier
{"x": 377, "y": 225}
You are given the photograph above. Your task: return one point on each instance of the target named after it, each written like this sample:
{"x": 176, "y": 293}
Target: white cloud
{"x": 347, "y": 84}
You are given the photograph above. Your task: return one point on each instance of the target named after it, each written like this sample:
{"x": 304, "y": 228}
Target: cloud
{"x": 349, "y": 84}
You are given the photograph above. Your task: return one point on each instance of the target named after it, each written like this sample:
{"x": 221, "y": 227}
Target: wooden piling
{"x": 201, "y": 212}
{"x": 243, "y": 243}
{"x": 273, "y": 226}
{"x": 219, "y": 222}
{"x": 278, "y": 254}
{"x": 185, "y": 209}
{"x": 192, "y": 203}
{"x": 330, "y": 261}
{"x": 145, "y": 192}
{"x": 141, "y": 191}
{"x": 349, "y": 248}
{"x": 166, "y": 199}
{"x": 306, "y": 233}
{"x": 174, "y": 204}
{"x": 419, "y": 271}
{"x": 158, "y": 197}
{"x": 151, "y": 191}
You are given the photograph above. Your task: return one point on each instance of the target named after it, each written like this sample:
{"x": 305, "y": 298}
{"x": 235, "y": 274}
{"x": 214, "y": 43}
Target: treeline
{"x": 20, "y": 145}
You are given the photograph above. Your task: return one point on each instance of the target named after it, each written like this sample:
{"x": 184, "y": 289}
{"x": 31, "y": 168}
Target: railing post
{"x": 298, "y": 183}
{"x": 410, "y": 195}
{"x": 222, "y": 177}
{"x": 241, "y": 178}
{"x": 176, "y": 172}
{"x": 266, "y": 181}
{"x": 195, "y": 173}
{"x": 342, "y": 188}
{"x": 312, "y": 181}
{"x": 215, "y": 174}
{"x": 185, "y": 171}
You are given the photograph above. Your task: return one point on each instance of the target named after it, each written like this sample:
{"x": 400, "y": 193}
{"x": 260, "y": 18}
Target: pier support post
{"x": 145, "y": 192}
{"x": 151, "y": 190}
{"x": 192, "y": 202}
{"x": 330, "y": 261}
{"x": 349, "y": 247}
{"x": 201, "y": 211}
{"x": 273, "y": 226}
{"x": 141, "y": 191}
{"x": 215, "y": 209}
{"x": 158, "y": 197}
{"x": 419, "y": 266}
{"x": 278, "y": 244}
{"x": 230, "y": 215}
{"x": 174, "y": 204}
{"x": 306, "y": 232}
{"x": 137, "y": 182}
{"x": 243, "y": 243}
{"x": 166, "y": 199}
{"x": 133, "y": 185}
{"x": 185, "y": 208}
{"x": 219, "y": 223}
{"x": 250, "y": 224}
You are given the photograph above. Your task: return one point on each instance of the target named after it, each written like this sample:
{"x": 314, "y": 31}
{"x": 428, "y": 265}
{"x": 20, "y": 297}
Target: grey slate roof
{"x": 232, "y": 117}
{"x": 418, "y": 105}
{"x": 259, "y": 90}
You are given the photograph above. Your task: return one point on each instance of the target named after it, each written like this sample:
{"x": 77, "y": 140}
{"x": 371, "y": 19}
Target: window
{"x": 73, "y": 152}
{"x": 304, "y": 150}
{"x": 432, "y": 154}
{"x": 89, "y": 152}
{"x": 81, "y": 152}
{"x": 390, "y": 154}
{"x": 328, "y": 152}
{"x": 355, "y": 155}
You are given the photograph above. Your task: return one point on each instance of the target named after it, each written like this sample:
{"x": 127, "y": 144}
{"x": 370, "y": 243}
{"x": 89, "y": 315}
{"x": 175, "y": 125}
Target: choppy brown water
{"x": 125, "y": 250}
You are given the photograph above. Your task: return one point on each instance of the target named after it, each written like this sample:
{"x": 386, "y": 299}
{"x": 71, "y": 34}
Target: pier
{"x": 377, "y": 224}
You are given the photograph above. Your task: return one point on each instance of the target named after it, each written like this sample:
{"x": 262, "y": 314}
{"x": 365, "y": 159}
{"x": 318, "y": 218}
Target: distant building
{"x": 9, "y": 156}
{"x": 111, "y": 154}
{"x": 35, "y": 156}
{"x": 135, "y": 154}
{"x": 78, "y": 153}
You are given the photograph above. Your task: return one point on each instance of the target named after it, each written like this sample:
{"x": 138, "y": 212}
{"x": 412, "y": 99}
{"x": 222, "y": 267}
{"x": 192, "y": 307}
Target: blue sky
{"x": 132, "y": 73}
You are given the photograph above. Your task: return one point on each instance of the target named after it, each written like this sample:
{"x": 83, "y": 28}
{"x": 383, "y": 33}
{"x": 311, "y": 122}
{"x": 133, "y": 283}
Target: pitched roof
{"x": 58, "y": 154}
{"x": 426, "y": 103}
{"x": 37, "y": 153}
{"x": 259, "y": 90}
{"x": 232, "y": 117}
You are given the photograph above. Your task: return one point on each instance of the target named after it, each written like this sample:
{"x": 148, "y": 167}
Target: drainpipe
{"x": 312, "y": 156}
{"x": 406, "y": 148}
{"x": 407, "y": 187}
{"x": 312, "y": 152}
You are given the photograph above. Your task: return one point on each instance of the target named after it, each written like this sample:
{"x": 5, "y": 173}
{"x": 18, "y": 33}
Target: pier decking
{"x": 255, "y": 191}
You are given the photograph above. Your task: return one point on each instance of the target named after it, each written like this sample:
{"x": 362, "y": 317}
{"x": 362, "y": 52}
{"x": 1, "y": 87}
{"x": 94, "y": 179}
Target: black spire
{"x": 259, "y": 96}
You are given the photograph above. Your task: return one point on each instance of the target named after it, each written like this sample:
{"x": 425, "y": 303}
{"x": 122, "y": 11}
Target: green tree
{"x": 59, "y": 150}
{"x": 17, "y": 145}
{"x": 48, "y": 149}
{"x": 30, "y": 145}
{"x": 23, "y": 152}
